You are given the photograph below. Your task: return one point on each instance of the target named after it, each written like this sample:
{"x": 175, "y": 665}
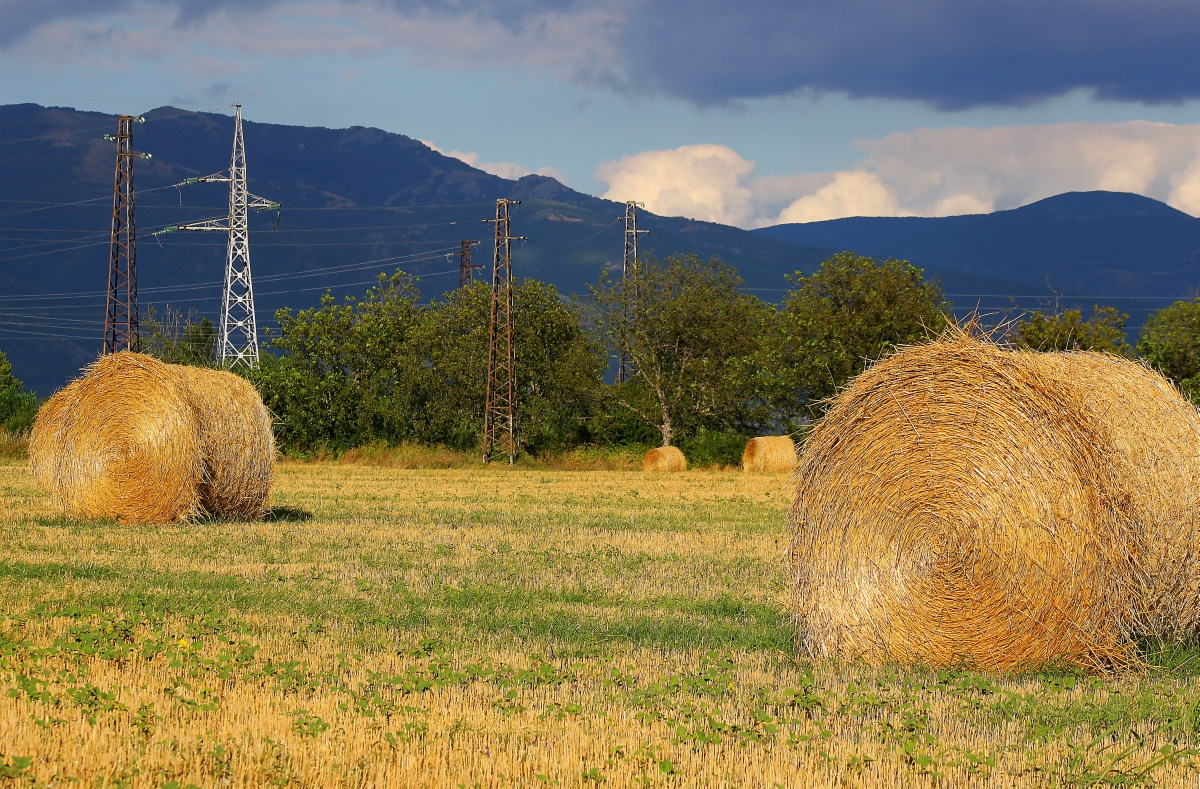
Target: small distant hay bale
{"x": 237, "y": 442}
{"x": 122, "y": 442}
{"x": 143, "y": 442}
{"x": 769, "y": 454}
{"x": 965, "y": 504}
{"x": 664, "y": 459}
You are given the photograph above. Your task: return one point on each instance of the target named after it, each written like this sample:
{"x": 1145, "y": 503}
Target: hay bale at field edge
{"x": 121, "y": 441}
{"x": 237, "y": 442}
{"x": 769, "y": 454}
{"x": 664, "y": 459}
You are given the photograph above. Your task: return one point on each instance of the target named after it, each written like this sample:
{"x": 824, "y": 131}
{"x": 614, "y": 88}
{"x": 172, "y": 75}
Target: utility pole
{"x": 238, "y": 330}
{"x": 466, "y": 270}
{"x": 628, "y": 271}
{"x": 500, "y": 407}
{"x": 121, "y": 311}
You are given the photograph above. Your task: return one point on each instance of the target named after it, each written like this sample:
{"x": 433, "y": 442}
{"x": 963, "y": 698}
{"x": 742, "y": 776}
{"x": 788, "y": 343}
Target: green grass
{"x": 488, "y": 626}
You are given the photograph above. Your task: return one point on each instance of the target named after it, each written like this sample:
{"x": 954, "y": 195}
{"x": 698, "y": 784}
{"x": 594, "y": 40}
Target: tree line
{"x": 709, "y": 363}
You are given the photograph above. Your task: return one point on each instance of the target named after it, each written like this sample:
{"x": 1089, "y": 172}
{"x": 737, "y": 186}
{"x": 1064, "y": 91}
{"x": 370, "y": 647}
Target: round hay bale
{"x": 237, "y": 442}
{"x": 769, "y": 454}
{"x": 1155, "y": 434}
{"x": 955, "y": 507}
{"x": 664, "y": 459}
{"x": 121, "y": 441}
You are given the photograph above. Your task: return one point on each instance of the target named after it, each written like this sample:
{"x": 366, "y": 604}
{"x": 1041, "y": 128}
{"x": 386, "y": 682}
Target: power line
{"x": 414, "y": 258}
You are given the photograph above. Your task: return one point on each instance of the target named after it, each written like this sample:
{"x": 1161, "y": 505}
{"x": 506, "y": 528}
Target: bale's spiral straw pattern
{"x": 664, "y": 459}
{"x": 122, "y": 441}
{"x": 236, "y": 441}
{"x": 769, "y": 454}
{"x": 961, "y": 503}
{"x": 142, "y": 441}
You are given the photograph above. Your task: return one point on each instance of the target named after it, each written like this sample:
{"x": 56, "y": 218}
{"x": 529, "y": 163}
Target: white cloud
{"x": 850, "y": 193}
{"x": 509, "y": 170}
{"x": 933, "y": 172}
{"x": 708, "y": 182}
{"x": 925, "y": 172}
{"x": 1185, "y": 192}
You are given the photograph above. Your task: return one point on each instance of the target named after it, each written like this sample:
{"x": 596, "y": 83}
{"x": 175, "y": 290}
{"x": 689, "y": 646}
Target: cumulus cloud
{"x": 926, "y": 172}
{"x": 850, "y": 193}
{"x": 930, "y": 171}
{"x": 949, "y": 53}
{"x": 509, "y": 170}
{"x": 708, "y": 182}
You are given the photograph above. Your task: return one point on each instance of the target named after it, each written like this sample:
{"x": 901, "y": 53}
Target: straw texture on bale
{"x": 236, "y": 441}
{"x": 142, "y": 441}
{"x": 1155, "y": 435}
{"x": 122, "y": 441}
{"x": 769, "y": 454}
{"x": 664, "y": 459}
{"x": 961, "y": 503}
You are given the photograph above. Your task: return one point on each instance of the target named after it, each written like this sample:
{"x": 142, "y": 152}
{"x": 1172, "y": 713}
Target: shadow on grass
{"x": 287, "y": 515}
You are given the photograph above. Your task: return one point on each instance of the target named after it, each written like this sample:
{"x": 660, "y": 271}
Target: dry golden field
{"x": 503, "y": 627}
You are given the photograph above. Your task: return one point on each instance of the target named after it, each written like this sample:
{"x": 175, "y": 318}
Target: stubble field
{"x": 499, "y": 627}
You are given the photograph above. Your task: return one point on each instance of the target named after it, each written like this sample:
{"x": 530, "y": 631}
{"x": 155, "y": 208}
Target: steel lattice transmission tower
{"x": 500, "y": 407}
{"x": 121, "y": 311}
{"x": 629, "y": 289}
{"x": 238, "y": 331}
{"x": 466, "y": 269}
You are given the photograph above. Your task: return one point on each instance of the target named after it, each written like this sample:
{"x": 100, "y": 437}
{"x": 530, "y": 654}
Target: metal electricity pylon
{"x": 238, "y": 331}
{"x": 121, "y": 311}
{"x": 466, "y": 269}
{"x": 500, "y": 406}
{"x": 629, "y": 289}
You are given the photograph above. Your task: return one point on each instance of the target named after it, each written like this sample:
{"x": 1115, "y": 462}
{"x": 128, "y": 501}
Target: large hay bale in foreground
{"x": 1155, "y": 436}
{"x": 769, "y": 454}
{"x": 122, "y": 441}
{"x": 664, "y": 459}
{"x": 142, "y": 441}
{"x": 961, "y": 503}
{"x": 237, "y": 442}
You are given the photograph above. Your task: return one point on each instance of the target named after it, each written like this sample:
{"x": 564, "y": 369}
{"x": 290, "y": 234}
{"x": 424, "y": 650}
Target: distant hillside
{"x": 355, "y": 202}
{"x": 1114, "y": 247}
{"x": 360, "y": 201}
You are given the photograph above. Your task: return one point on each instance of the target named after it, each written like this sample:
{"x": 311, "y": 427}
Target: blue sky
{"x": 749, "y": 113}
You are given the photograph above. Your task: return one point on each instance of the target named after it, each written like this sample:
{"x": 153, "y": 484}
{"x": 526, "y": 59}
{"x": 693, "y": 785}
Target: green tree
{"x": 1170, "y": 342}
{"x": 1068, "y": 331}
{"x": 850, "y": 312}
{"x": 18, "y": 408}
{"x": 179, "y": 339}
{"x": 347, "y": 370}
{"x": 686, "y": 329}
{"x": 384, "y": 368}
{"x": 558, "y": 368}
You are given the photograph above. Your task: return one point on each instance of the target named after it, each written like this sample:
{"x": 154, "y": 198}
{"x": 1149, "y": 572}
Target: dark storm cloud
{"x": 950, "y": 53}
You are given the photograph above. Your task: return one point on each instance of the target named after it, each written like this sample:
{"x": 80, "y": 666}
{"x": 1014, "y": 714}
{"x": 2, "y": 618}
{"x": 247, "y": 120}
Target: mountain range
{"x": 360, "y": 201}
